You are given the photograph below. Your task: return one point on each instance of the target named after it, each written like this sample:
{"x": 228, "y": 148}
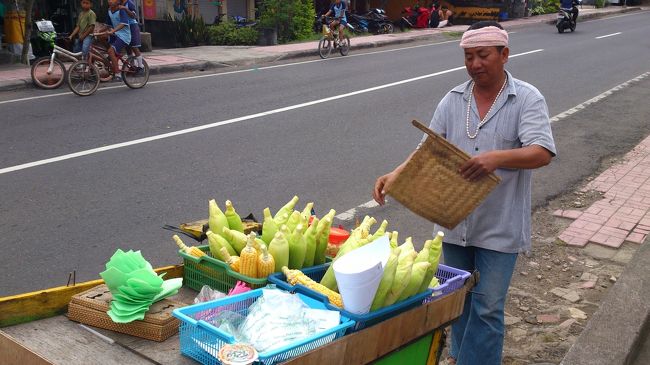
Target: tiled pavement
{"x": 624, "y": 212}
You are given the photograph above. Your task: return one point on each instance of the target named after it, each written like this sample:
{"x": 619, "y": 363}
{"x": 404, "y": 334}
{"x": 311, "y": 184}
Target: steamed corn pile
{"x": 289, "y": 238}
{"x": 407, "y": 272}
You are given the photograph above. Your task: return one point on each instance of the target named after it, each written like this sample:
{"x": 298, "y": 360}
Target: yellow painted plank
{"x": 29, "y": 307}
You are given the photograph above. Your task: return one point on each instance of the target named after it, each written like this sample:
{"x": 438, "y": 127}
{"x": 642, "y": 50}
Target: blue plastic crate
{"x": 362, "y": 320}
{"x": 201, "y": 341}
{"x": 450, "y": 279}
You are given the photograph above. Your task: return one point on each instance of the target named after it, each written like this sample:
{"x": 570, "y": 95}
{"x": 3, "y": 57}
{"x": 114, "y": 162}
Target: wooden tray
{"x": 431, "y": 187}
{"x": 90, "y": 307}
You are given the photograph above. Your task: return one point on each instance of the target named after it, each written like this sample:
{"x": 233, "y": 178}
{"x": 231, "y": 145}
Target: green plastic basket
{"x": 206, "y": 270}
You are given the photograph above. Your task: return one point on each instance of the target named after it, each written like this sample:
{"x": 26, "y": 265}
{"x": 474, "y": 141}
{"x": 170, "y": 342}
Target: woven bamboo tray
{"x": 431, "y": 187}
{"x": 90, "y": 308}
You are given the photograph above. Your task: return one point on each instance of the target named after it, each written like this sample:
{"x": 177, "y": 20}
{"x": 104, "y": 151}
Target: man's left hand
{"x": 479, "y": 166}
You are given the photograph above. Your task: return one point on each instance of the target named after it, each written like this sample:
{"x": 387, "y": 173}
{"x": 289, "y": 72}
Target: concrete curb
{"x": 614, "y": 333}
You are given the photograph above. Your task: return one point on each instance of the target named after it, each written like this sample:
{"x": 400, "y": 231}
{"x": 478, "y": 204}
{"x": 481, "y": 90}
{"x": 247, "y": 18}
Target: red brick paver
{"x": 624, "y": 212}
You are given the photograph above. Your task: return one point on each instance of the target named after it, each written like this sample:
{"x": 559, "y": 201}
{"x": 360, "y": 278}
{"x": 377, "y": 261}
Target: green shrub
{"x": 190, "y": 30}
{"x": 227, "y": 34}
{"x": 600, "y": 3}
{"x": 544, "y": 7}
{"x": 293, "y": 19}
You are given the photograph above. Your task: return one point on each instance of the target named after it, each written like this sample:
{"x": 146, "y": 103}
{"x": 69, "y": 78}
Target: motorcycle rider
{"x": 570, "y": 6}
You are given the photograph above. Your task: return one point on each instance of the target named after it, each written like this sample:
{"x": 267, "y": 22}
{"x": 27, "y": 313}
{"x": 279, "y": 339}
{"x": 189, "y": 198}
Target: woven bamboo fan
{"x": 431, "y": 187}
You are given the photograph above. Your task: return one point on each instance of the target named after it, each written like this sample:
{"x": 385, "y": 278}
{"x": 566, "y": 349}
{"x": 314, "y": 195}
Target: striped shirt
{"x": 519, "y": 118}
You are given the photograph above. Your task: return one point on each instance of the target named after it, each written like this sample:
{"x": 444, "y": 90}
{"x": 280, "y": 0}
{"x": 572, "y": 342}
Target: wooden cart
{"x": 35, "y": 330}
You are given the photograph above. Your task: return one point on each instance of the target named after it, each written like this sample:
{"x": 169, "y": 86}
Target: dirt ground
{"x": 540, "y": 325}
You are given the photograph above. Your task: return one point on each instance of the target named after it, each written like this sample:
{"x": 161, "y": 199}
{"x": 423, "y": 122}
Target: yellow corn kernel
{"x": 193, "y": 251}
{"x": 232, "y": 261}
{"x": 265, "y": 263}
{"x": 248, "y": 258}
{"x": 295, "y": 277}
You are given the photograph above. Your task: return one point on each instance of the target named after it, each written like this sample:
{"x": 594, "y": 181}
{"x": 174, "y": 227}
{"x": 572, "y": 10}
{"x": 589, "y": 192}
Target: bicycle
{"x": 50, "y": 72}
{"x": 330, "y": 39}
{"x": 84, "y": 76}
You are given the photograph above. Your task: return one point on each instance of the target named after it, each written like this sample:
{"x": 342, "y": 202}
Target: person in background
{"x": 120, "y": 34}
{"x": 84, "y": 28}
{"x": 445, "y": 15}
{"x": 338, "y": 9}
{"x": 434, "y": 19}
{"x": 129, "y": 7}
{"x": 503, "y": 124}
{"x": 570, "y": 5}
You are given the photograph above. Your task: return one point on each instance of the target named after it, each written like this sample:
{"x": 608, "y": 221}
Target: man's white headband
{"x": 484, "y": 37}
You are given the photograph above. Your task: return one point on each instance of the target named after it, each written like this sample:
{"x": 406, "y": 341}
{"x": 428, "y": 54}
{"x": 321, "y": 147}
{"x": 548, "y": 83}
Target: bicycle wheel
{"x": 135, "y": 77}
{"x": 324, "y": 47}
{"x": 45, "y": 79}
{"x": 83, "y": 78}
{"x": 344, "y": 48}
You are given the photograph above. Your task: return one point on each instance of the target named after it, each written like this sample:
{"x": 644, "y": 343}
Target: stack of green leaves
{"x": 134, "y": 286}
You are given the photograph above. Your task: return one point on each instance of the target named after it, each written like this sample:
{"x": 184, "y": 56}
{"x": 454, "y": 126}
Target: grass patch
{"x": 453, "y": 34}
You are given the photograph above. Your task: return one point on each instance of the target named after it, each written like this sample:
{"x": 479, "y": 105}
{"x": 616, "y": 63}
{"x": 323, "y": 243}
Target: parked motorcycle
{"x": 566, "y": 18}
{"x": 374, "y": 21}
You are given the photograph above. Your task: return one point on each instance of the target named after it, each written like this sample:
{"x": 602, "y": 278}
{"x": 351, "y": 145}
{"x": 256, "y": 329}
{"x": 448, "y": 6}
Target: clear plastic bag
{"x": 207, "y": 294}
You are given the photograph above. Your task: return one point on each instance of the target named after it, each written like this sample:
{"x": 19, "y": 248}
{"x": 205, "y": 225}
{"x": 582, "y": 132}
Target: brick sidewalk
{"x": 624, "y": 212}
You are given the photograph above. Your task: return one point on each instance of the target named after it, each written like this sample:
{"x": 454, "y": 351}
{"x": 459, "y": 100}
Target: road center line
{"x": 231, "y": 121}
{"x": 608, "y": 35}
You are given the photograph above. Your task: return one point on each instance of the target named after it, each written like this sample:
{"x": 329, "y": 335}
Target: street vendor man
{"x": 503, "y": 123}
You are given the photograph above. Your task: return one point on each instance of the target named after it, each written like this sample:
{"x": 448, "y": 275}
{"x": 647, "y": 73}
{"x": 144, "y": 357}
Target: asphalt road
{"x": 270, "y": 133}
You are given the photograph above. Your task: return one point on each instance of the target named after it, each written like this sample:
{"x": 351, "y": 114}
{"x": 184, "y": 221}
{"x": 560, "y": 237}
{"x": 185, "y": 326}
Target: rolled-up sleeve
{"x": 437, "y": 123}
{"x": 535, "y": 126}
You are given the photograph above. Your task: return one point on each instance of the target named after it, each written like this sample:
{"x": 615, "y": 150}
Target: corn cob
{"x": 286, "y": 209}
{"x": 282, "y": 219}
{"x": 306, "y": 212}
{"x": 248, "y": 258}
{"x": 265, "y": 263}
{"x": 435, "y": 250}
{"x": 216, "y": 220}
{"x": 322, "y": 239}
{"x": 192, "y": 251}
{"x": 295, "y": 277}
{"x": 279, "y": 249}
{"x": 380, "y": 231}
{"x": 402, "y": 277}
{"x": 234, "y": 220}
{"x": 393, "y": 239}
{"x": 232, "y": 261}
{"x": 418, "y": 271}
{"x": 236, "y": 239}
{"x": 269, "y": 227}
{"x": 216, "y": 242}
{"x": 310, "y": 242}
{"x": 294, "y": 220}
{"x": 386, "y": 280}
{"x": 297, "y": 248}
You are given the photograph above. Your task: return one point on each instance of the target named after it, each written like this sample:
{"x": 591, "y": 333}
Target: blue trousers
{"x": 477, "y": 336}
{"x": 83, "y": 46}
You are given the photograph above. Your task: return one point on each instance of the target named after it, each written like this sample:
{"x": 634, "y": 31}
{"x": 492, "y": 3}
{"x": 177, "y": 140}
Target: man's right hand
{"x": 379, "y": 192}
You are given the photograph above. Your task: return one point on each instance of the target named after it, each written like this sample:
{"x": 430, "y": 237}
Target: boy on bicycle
{"x": 131, "y": 11}
{"x": 120, "y": 34}
{"x": 84, "y": 28}
{"x": 338, "y": 8}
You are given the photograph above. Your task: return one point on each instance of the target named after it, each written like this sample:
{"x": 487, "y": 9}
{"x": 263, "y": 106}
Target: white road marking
{"x": 349, "y": 214}
{"x": 599, "y": 97}
{"x": 232, "y": 72}
{"x": 231, "y": 121}
{"x": 608, "y": 35}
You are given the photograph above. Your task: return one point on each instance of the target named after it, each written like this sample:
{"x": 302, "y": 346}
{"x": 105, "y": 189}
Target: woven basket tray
{"x": 431, "y": 187}
{"x": 90, "y": 307}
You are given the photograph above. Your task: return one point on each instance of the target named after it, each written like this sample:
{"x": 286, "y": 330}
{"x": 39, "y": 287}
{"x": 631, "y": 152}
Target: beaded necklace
{"x": 485, "y": 118}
